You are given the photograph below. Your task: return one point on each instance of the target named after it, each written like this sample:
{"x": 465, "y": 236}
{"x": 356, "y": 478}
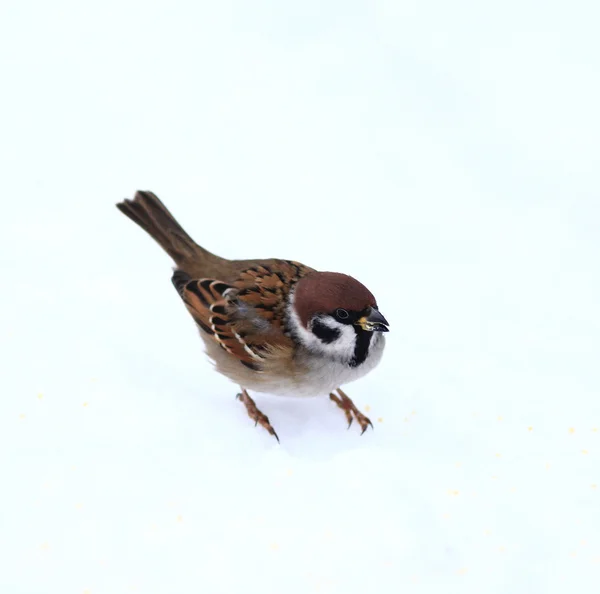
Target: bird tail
{"x": 153, "y": 216}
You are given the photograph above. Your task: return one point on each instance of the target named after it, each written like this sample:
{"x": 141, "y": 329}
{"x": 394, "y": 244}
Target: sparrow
{"x": 274, "y": 326}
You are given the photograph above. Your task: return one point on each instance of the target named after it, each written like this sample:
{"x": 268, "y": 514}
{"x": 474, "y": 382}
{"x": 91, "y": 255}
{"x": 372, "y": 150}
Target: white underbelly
{"x": 321, "y": 377}
{"x": 310, "y": 375}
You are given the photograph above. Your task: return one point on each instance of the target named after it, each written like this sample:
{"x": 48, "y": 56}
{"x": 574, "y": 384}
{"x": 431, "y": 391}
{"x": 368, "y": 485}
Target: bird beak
{"x": 373, "y": 322}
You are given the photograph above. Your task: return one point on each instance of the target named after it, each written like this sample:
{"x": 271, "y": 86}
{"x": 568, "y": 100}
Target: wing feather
{"x": 246, "y": 318}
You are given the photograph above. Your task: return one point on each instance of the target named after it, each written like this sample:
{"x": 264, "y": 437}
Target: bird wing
{"x": 246, "y": 317}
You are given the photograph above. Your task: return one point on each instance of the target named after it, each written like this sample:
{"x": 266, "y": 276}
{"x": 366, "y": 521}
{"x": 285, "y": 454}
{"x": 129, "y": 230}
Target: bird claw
{"x": 351, "y": 411}
{"x": 365, "y": 423}
{"x": 255, "y": 414}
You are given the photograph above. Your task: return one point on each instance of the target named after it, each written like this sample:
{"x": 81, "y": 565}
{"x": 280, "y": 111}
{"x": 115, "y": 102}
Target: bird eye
{"x": 341, "y": 314}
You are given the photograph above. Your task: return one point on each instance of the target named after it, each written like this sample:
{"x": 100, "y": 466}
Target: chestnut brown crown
{"x": 324, "y": 292}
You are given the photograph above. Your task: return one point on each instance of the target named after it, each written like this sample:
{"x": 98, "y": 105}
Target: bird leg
{"x": 255, "y": 414}
{"x": 350, "y": 410}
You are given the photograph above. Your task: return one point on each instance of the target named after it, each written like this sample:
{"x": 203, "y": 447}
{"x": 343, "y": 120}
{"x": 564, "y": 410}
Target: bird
{"x": 271, "y": 325}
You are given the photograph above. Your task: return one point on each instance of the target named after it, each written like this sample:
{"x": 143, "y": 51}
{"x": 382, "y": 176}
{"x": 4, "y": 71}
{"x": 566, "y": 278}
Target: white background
{"x": 444, "y": 153}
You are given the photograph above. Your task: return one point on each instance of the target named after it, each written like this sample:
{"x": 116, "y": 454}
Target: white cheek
{"x": 307, "y": 338}
{"x": 344, "y": 345}
{"x": 342, "y": 348}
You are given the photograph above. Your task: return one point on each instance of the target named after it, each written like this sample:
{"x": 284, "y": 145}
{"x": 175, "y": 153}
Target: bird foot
{"x": 255, "y": 414}
{"x": 350, "y": 410}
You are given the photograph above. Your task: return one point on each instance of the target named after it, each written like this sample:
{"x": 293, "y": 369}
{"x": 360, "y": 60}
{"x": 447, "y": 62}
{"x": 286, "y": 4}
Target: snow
{"x": 445, "y": 154}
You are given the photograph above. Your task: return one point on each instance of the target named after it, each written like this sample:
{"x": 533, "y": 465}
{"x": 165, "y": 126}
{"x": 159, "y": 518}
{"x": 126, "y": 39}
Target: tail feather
{"x": 137, "y": 214}
{"x": 153, "y": 216}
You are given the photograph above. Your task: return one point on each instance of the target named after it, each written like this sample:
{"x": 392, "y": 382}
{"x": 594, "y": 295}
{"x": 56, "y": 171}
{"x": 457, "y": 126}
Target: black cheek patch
{"x": 324, "y": 333}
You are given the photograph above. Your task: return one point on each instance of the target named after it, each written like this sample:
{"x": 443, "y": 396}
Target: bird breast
{"x": 302, "y": 374}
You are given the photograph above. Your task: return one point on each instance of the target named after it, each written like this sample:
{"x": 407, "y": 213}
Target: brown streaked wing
{"x": 210, "y": 309}
{"x": 266, "y": 287}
